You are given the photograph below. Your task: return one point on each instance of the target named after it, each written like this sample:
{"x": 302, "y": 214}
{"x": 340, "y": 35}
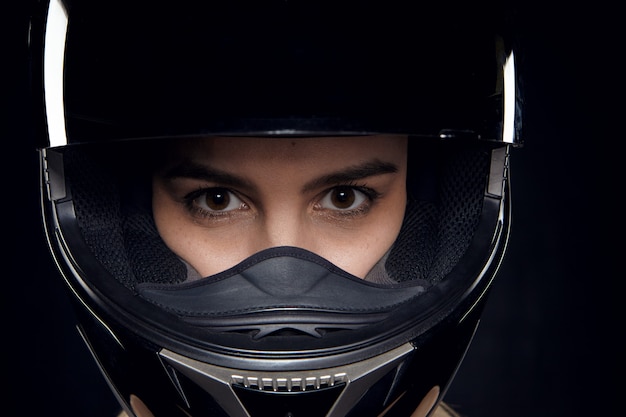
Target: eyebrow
{"x": 353, "y": 173}
{"x": 193, "y": 170}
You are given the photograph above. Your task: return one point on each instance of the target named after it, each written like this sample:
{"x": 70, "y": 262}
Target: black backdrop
{"x": 549, "y": 343}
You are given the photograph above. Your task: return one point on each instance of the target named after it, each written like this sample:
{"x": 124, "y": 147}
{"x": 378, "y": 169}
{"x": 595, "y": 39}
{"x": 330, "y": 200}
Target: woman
{"x": 218, "y": 201}
{"x": 275, "y": 208}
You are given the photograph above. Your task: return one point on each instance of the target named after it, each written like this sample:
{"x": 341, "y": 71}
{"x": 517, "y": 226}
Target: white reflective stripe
{"x": 54, "y": 54}
{"x": 508, "y": 127}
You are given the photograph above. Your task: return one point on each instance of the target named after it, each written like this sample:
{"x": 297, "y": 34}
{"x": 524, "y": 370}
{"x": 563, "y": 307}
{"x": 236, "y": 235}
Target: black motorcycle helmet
{"x": 113, "y": 78}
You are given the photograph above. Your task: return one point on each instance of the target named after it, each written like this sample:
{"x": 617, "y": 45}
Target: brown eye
{"x": 218, "y": 199}
{"x": 343, "y": 198}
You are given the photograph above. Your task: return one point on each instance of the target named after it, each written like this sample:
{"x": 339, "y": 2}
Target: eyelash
{"x": 371, "y": 196}
{"x": 191, "y": 205}
{"x": 190, "y": 202}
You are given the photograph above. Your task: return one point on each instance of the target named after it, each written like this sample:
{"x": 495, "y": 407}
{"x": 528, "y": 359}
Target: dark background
{"x": 550, "y": 340}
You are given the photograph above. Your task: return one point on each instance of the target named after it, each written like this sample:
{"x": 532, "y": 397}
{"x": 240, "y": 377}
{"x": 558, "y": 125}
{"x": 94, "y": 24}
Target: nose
{"x": 286, "y": 227}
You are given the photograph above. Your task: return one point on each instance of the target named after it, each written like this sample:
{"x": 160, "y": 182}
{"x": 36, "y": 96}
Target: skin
{"x": 217, "y": 201}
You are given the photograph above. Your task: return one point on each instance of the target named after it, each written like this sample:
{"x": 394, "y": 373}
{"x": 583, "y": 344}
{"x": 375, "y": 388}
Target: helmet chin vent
{"x": 287, "y": 332}
{"x": 294, "y": 384}
{"x": 290, "y": 323}
{"x": 285, "y": 404}
{"x": 313, "y": 330}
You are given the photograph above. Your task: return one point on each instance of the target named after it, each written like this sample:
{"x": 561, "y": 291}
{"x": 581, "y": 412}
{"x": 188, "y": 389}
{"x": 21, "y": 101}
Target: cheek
{"x": 208, "y": 252}
{"x": 358, "y": 250}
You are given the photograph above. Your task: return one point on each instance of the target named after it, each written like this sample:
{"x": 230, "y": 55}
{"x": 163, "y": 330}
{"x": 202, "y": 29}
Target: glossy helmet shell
{"x": 113, "y": 78}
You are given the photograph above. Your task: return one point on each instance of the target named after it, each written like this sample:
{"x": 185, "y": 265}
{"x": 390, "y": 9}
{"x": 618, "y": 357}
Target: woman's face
{"x": 217, "y": 201}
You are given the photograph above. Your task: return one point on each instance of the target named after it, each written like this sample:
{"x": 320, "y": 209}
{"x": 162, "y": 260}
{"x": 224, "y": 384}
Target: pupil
{"x": 217, "y": 200}
{"x": 343, "y": 197}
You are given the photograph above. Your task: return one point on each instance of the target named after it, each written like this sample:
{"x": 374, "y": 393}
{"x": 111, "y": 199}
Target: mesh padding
{"x": 414, "y": 250}
{"x": 442, "y": 214}
{"x": 462, "y": 193}
{"x": 118, "y": 228}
